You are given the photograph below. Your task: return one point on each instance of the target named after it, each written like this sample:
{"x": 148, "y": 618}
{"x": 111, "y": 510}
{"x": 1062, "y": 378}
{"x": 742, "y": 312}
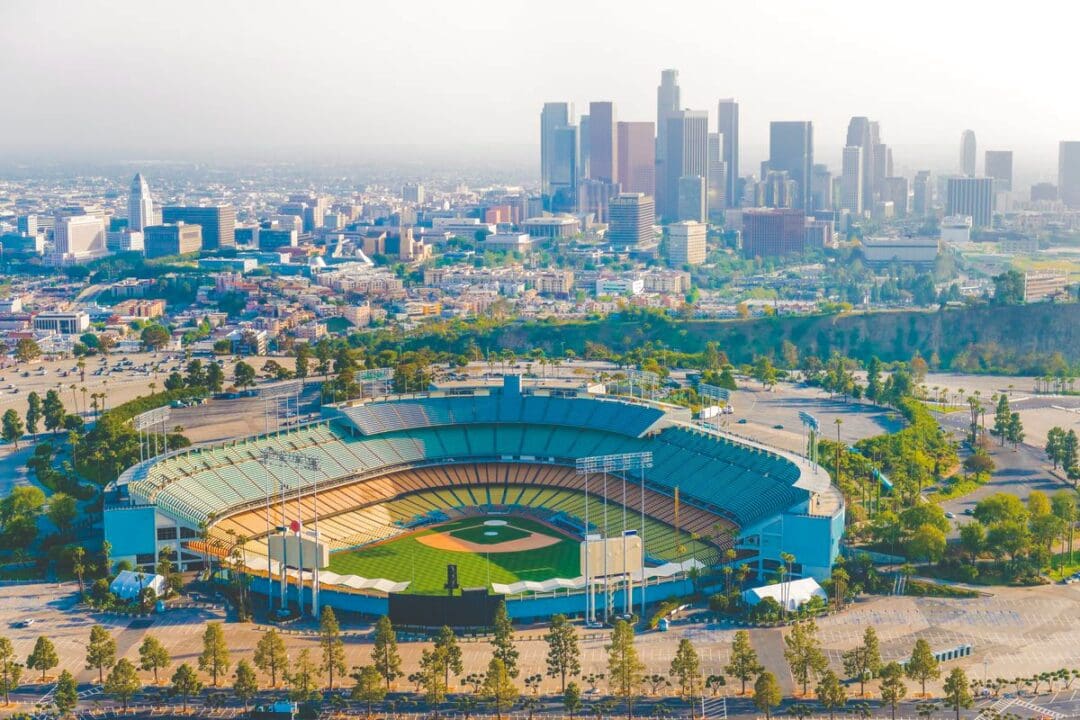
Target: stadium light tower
{"x": 297, "y": 462}
{"x": 145, "y": 425}
{"x": 621, "y": 464}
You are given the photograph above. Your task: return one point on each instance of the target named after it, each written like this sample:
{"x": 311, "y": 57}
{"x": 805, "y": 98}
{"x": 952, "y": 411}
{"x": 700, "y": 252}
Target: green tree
{"x": 66, "y": 695}
{"x": 333, "y": 649}
{"x": 958, "y": 691}
{"x": 1055, "y": 444}
{"x": 245, "y": 684}
{"x": 433, "y": 678}
{"x": 686, "y": 668}
{"x": 831, "y": 693}
{"x": 1014, "y": 431}
{"x": 803, "y": 653}
{"x": 243, "y": 375}
{"x": 927, "y": 542}
{"x": 154, "y": 337}
{"x": 369, "y": 686}
{"x": 27, "y": 349}
{"x": 384, "y": 653}
{"x": 303, "y": 360}
{"x": 893, "y": 689}
{"x": 449, "y": 653}
{"x": 625, "y": 669}
{"x": 53, "y": 409}
{"x": 13, "y": 428}
{"x": 185, "y": 683}
{"x": 100, "y": 651}
{"x": 923, "y": 665}
{"x": 498, "y": 687}
{"x": 564, "y": 655}
{"x": 34, "y": 412}
{"x": 1009, "y": 288}
{"x": 10, "y": 671}
{"x": 1070, "y": 454}
{"x": 764, "y": 371}
{"x": 215, "y": 653}
{"x": 766, "y": 693}
{"x": 863, "y": 661}
{"x": 270, "y": 655}
{"x": 571, "y": 699}
{"x": 503, "y": 640}
{"x": 972, "y": 539}
{"x": 43, "y": 657}
{"x": 123, "y": 682}
{"x": 215, "y": 377}
{"x": 303, "y": 680}
{"x": 153, "y": 656}
{"x": 62, "y": 511}
{"x": 1002, "y": 417}
{"x": 744, "y": 663}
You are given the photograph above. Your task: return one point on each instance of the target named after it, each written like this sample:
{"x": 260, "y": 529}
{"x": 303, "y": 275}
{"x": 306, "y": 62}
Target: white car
{"x": 24, "y": 623}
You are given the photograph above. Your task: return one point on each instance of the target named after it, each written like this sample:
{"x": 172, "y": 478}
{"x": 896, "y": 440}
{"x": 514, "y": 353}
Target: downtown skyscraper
{"x": 967, "y": 153}
{"x": 727, "y": 126}
{"x": 1069, "y": 173}
{"x": 140, "y": 204}
{"x": 686, "y": 156}
{"x": 559, "y": 157}
{"x": 791, "y": 150}
{"x": 637, "y": 157}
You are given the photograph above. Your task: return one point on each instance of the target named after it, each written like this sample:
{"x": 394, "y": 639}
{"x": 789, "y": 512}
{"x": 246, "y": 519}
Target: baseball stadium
{"x": 547, "y": 497}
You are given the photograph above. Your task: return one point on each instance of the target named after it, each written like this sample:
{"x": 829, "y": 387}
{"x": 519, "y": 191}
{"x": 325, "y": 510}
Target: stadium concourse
{"x": 369, "y": 481}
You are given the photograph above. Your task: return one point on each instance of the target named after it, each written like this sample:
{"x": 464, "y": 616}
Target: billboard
{"x": 612, "y": 556}
{"x": 292, "y": 549}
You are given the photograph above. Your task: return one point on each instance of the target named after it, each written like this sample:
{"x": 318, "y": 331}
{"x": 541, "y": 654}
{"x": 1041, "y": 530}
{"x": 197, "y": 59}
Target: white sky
{"x": 200, "y": 78}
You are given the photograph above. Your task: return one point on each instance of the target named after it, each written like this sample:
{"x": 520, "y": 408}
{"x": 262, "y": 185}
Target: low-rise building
{"x": 1044, "y": 285}
{"x": 64, "y": 323}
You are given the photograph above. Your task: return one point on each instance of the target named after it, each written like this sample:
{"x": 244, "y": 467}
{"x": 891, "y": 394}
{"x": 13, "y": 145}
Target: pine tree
{"x": 831, "y": 693}
{"x": 153, "y": 656}
{"x": 744, "y": 663}
{"x": 66, "y": 695}
{"x": 449, "y": 653}
{"x": 503, "y": 640}
{"x": 384, "y": 654}
{"x": 625, "y": 669}
{"x": 185, "y": 683}
{"x": 43, "y": 657}
{"x": 499, "y": 686}
{"x": 923, "y": 665}
{"x": 10, "y": 671}
{"x": 1002, "y": 415}
{"x": 215, "y": 655}
{"x": 333, "y": 649}
{"x": 957, "y": 691}
{"x": 369, "y": 686}
{"x": 564, "y": 655}
{"x": 766, "y": 694}
{"x": 572, "y": 699}
{"x": 864, "y": 661}
{"x": 433, "y": 678}
{"x": 101, "y": 651}
{"x": 803, "y": 653}
{"x": 245, "y": 684}
{"x": 303, "y": 678}
{"x": 123, "y": 682}
{"x": 270, "y": 655}
{"x": 33, "y": 412}
{"x": 686, "y": 667}
{"x": 893, "y": 689}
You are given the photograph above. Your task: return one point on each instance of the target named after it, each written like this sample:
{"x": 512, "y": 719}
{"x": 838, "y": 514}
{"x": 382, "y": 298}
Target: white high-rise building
{"x": 967, "y": 153}
{"x": 686, "y": 243}
{"x": 78, "y": 238}
{"x": 851, "y": 180}
{"x": 140, "y": 204}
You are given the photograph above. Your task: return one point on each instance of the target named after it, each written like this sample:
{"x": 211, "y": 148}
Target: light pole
{"x": 296, "y": 461}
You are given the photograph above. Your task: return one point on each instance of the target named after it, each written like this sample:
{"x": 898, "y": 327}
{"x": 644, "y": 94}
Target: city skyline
{"x": 291, "y": 84}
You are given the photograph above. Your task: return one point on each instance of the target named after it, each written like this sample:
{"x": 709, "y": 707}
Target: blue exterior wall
{"x": 131, "y": 531}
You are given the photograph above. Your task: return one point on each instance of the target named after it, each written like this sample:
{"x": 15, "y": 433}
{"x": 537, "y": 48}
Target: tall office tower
{"x": 687, "y": 153}
{"x": 882, "y": 166}
{"x": 821, "y": 182}
{"x": 594, "y": 196}
{"x": 603, "y": 142}
{"x": 967, "y": 153}
{"x": 413, "y": 193}
{"x": 896, "y": 192}
{"x": 311, "y": 208}
{"x": 78, "y": 239}
{"x": 717, "y": 180}
{"x": 1069, "y": 173}
{"x": 637, "y": 157}
{"x": 693, "y": 199}
{"x": 859, "y": 135}
{"x": 727, "y": 126}
{"x": 777, "y": 190}
{"x": 773, "y": 232}
{"x": 632, "y": 216}
{"x": 26, "y": 224}
{"x": 668, "y": 102}
{"x": 584, "y": 149}
{"x": 922, "y": 194}
{"x": 997, "y": 165}
{"x": 555, "y": 115}
{"x": 686, "y": 243}
{"x": 791, "y": 150}
{"x": 565, "y": 170}
{"x": 218, "y": 223}
{"x": 851, "y": 180}
{"x": 972, "y": 196}
{"x": 140, "y": 204}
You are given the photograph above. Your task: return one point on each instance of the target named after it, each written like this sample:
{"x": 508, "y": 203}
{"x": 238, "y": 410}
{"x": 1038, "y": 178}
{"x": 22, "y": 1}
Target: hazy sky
{"x": 198, "y": 79}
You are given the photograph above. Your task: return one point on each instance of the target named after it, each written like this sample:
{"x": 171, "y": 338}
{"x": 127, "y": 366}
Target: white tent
{"x": 128, "y": 584}
{"x": 789, "y": 595}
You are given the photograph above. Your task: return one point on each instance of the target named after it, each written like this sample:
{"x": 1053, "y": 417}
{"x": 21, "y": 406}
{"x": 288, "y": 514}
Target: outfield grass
{"x": 406, "y": 559}
{"x": 490, "y": 534}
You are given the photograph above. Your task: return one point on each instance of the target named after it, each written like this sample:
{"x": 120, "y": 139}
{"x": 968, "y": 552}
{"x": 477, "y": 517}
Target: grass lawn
{"x": 490, "y": 534}
{"x": 406, "y": 559}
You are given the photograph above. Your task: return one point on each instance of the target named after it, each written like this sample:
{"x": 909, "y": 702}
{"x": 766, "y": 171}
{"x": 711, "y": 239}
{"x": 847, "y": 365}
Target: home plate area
{"x": 477, "y": 535}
